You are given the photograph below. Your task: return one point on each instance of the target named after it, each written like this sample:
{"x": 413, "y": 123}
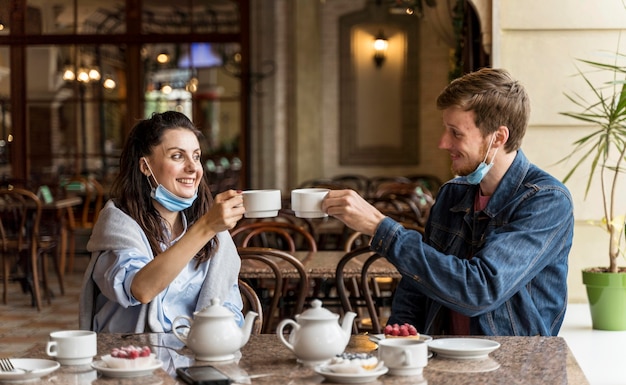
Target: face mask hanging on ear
{"x": 483, "y": 168}
{"x": 166, "y": 198}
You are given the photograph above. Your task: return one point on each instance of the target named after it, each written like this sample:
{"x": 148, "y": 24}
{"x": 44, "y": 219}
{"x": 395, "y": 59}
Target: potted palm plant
{"x": 602, "y": 150}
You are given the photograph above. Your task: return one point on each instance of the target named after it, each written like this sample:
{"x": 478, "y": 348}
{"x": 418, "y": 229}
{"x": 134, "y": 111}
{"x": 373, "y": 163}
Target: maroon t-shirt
{"x": 459, "y": 323}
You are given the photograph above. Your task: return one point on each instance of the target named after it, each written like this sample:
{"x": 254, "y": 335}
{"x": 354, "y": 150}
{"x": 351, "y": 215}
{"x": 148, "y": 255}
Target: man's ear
{"x": 502, "y": 136}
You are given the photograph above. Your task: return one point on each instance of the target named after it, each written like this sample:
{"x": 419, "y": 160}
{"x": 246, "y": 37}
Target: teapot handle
{"x": 175, "y": 328}
{"x": 281, "y": 326}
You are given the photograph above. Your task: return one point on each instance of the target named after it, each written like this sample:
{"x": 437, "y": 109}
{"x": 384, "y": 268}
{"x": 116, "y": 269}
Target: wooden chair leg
{"x": 35, "y": 272}
{"x": 71, "y": 236}
{"x": 61, "y": 249}
{"x": 59, "y": 267}
{"x": 43, "y": 262}
{"x": 5, "y": 277}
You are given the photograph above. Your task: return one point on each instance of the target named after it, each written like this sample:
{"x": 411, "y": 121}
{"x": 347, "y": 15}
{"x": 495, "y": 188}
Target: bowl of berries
{"x": 129, "y": 357}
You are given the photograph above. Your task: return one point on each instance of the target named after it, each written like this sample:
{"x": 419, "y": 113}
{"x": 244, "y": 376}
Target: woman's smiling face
{"x": 176, "y": 162}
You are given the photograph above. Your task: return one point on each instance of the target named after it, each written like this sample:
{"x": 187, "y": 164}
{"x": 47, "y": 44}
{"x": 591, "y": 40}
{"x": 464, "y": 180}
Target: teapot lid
{"x": 215, "y": 309}
{"x": 317, "y": 312}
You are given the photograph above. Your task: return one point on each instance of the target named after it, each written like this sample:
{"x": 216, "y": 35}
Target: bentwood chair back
{"x": 251, "y": 302}
{"x": 22, "y": 244}
{"x": 92, "y": 193}
{"x": 269, "y": 291}
{"x": 278, "y": 302}
{"x": 375, "y": 298}
{"x": 81, "y": 221}
{"x": 274, "y": 234}
{"x": 366, "y": 296}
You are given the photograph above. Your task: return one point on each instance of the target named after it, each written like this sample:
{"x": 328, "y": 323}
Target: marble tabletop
{"x": 264, "y": 360}
{"x": 320, "y": 264}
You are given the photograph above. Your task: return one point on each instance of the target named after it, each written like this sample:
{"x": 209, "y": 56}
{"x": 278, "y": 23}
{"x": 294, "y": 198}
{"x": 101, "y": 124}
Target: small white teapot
{"x": 317, "y": 336}
{"x": 213, "y": 333}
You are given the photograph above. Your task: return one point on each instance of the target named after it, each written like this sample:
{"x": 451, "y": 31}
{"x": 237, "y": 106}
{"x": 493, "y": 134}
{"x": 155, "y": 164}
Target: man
{"x": 493, "y": 260}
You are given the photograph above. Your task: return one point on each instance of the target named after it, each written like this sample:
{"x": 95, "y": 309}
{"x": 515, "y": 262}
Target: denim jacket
{"x": 516, "y": 280}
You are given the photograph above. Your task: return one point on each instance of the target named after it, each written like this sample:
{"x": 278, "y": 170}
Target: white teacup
{"x": 72, "y": 347}
{"x": 307, "y": 202}
{"x": 261, "y": 203}
{"x": 403, "y": 356}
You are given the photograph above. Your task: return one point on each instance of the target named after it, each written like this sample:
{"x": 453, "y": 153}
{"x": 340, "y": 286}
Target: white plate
{"x": 378, "y": 337}
{"x": 463, "y": 348}
{"x": 102, "y": 367}
{"x": 35, "y": 368}
{"x": 350, "y": 378}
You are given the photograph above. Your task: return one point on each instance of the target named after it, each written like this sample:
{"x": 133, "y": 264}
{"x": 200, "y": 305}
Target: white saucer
{"x": 102, "y": 367}
{"x": 463, "y": 348}
{"x": 350, "y": 378}
{"x": 39, "y": 368}
{"x": 378, "y": 337}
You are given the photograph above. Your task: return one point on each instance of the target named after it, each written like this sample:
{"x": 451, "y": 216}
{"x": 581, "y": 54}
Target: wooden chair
{"x": 356, "y": 182}
{"x": 277, "y": 303}
{"x": 367, "y": 296}
{"x": 251, "y": 302}
{"x": 274, "y": 234}
{"x": 81, "y": 221}
{"x": 404, "y": 202}
{"x": 280, "y": 235}
{"x": 379, "y": 183}
{"x": 429, "y": 182}
{"x": 23, "y": 245}
{"x": 375, "y": 298}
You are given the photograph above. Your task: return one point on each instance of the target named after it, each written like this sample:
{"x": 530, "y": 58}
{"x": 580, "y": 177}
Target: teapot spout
{"x": 346, "y": 324}
{"x": 246, "y": 329}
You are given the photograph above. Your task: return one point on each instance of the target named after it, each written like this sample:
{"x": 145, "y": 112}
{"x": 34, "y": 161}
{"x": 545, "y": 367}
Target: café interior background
{"x": 301, "y": 118}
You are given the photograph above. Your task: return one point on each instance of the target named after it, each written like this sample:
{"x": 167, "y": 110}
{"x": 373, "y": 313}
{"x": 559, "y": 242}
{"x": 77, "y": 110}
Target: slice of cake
{"x": 401, "y": 331}
{"x": 129, "y": 357}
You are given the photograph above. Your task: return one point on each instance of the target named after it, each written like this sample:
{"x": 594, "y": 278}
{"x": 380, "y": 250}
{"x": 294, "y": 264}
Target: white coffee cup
{"x": 72, "y": 347}
{"x": 403, "y": 356}
{"x": 261, "y": 203}
{"x": 307, "y": 202}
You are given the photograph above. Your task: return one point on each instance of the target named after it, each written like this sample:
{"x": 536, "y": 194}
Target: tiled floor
{"x": 22, "y": 326}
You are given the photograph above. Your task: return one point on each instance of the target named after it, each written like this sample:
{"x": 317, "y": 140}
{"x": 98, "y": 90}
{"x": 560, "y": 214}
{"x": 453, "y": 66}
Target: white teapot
{"x": 317, "y": 337}
{"x": 213, "y": 333}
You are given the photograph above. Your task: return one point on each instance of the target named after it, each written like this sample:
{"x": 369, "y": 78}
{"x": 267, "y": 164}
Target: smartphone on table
{"x": 203, "y": 375}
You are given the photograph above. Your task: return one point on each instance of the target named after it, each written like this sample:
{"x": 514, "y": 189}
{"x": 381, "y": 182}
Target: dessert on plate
{"x": 129, "y": 357}
{"x": 353, "y": 363}
{"x": 401, "y": 331}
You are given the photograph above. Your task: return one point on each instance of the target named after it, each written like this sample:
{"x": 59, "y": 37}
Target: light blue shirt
{"x": 115, "y": 270}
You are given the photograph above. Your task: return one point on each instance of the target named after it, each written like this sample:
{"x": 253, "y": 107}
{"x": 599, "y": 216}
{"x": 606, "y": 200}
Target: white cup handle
{"x": 51, "y": 348}
{"x": 408, "y": 358}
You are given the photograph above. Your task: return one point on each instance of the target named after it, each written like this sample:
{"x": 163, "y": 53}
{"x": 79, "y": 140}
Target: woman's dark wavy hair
{"x": 131, "y": 189}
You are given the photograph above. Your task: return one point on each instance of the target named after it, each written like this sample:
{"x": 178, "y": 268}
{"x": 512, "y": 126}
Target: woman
{"x": 161, "y": 246}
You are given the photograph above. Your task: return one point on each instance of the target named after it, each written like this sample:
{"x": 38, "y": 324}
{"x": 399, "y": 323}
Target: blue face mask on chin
{"x": 168, "y": 199}
{"x": 171, "y": 201}
{"x": 476, "y": 176}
